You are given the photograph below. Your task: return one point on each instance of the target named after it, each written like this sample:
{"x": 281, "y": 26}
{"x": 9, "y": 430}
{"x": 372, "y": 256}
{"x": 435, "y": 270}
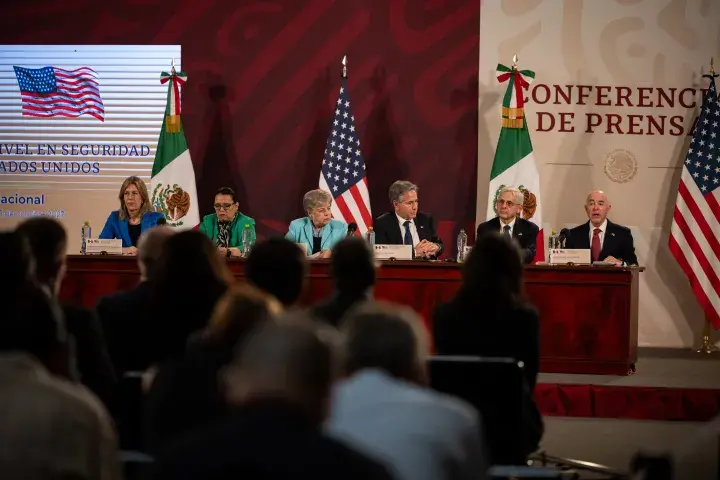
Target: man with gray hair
{"x": 406, "y": 225}
{"x": 509, "y": 222}
{"x": 385, "y": 409}
{"x": 125, "y": 316}
{"x": 279, "y": 386}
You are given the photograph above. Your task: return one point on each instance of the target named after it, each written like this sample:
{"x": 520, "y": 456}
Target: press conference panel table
{"x": 588, "y": 315}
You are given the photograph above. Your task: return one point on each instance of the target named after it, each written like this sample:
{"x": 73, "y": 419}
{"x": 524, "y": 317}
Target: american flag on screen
{"x": 343, "y": 167}
{"x": 695, "y": 230}
{"x": 52, "y": 91}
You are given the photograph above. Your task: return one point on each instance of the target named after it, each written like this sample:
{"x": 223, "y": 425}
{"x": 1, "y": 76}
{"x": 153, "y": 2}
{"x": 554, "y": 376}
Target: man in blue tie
{"x": 405, "y": 225}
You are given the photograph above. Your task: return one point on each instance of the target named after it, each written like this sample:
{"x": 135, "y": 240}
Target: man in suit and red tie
{"x": 509, "y": 222}
{"x": 405, "y": 225}
{"x": 607, "y": 241}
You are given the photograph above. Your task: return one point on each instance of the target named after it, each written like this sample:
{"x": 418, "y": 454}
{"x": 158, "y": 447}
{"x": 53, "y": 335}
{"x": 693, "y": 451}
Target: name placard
{"x": 561, "y": 256}
{"x": 96, "y": 246}
{"x": 398, "y": 252}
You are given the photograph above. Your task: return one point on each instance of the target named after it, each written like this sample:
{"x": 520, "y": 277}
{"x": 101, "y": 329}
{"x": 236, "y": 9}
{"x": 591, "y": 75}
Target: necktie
{"x": 595, "y": 246}
{"x": 408, "y": 237}
{"x": 506, "y": 230}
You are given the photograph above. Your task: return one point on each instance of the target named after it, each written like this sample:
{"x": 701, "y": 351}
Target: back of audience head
{"x": 18, "y": 264}
{"x": 150, "y": 248}
{"x": 293, "y": 359}
{"x": 242, "y": 309}
{"x": 352, "y": 266}
{"x": 493, "y": 272}
{"x": 387, "y": 337}
{"x": 48, "y": 242}
{"x": 277, "y": 266}
{"x": 190, "y": 278}
{"x": 32, "y": 323}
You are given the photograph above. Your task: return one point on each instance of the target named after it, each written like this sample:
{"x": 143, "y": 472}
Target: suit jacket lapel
{"x": 124, "y": 232}
{"x": 397, "y": 237}
{"x": 422, "y": 230}
{"x": 608, "y": 241}
{"x": 517, "y": 232}
{"x": 325, "y": 232}
{"x": 309, "y": 232}
{"x": 584, "y": 242}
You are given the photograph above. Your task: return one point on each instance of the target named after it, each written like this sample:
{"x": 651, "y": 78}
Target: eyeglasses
{"x": 508, "y": 203}
{"x": 223, "y": 206}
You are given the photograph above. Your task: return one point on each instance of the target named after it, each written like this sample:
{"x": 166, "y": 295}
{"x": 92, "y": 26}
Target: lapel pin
{"x": 612, "y": 234}
{"x": 519, "y": 234}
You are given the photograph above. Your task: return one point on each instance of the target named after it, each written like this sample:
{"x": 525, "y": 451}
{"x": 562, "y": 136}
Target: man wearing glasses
{"x": 509, "y": 205}
{"x": 225, "y": 227}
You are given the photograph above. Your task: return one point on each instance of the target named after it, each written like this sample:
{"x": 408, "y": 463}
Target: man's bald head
{"x": 150, "y": 246}
{"x": 293, "y": 358}
{"x": 597, "y": 206}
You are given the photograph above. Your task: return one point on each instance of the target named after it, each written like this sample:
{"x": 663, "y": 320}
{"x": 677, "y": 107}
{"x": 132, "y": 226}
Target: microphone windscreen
{"x": 352, "y": 227}
{"x": 162, "y": 221}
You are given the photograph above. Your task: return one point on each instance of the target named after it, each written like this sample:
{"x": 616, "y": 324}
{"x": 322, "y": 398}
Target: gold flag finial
{"x": 515, "y": 61}
{"x": 172, "y": 65}
{"x": 344, "y": 64}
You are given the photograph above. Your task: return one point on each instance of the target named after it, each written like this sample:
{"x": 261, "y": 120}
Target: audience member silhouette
{"x": 352, "y": 268}
{"x": 48, "y": 243}
{"x": 280, "y": 383}
{"x": 385, "y": 409}
{"x": 279, "y": 267}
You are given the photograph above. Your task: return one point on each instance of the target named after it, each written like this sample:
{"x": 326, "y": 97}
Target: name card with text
{"x": 561, "y": 256}
{"x": 398, "y": 252}
{"x": 96, "y": 246}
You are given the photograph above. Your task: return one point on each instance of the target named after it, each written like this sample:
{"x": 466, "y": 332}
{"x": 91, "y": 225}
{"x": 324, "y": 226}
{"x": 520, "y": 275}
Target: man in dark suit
{"x": 48, "y": 244}
{"x": 509, "y": 222}
{"x": 607, "y": 241}
{"x": 406, "y": 225}
{"x": 126, "y": 316}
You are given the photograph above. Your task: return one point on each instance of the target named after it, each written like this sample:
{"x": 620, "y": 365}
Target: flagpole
{"x": 706, "y": 346}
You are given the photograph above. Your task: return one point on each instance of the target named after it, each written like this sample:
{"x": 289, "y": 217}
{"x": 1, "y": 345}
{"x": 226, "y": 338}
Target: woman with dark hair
{"x": 187, "y": 392}
{"x": 489, "y": 316}
{"x": 135, "y": 215}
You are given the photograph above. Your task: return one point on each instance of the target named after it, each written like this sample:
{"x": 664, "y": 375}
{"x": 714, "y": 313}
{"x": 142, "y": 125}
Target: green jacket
{"x": 209, "y": 226}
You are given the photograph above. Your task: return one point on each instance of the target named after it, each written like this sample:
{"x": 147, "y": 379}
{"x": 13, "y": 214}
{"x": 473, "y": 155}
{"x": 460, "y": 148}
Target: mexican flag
{"x": 172, "y": 187}
{"x": 514, "y": 163}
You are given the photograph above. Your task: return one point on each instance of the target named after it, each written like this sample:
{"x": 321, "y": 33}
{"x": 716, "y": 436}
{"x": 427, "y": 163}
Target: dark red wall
{"x": 263, "y": 78}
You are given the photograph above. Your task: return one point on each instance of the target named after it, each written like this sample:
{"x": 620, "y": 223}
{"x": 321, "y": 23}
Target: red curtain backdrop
{"x": 263, "y": 77}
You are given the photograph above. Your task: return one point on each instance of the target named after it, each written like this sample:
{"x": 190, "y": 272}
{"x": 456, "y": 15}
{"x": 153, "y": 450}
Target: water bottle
{"x": 554, "y": 241}
{"x": 370, "y": 236}
{"x": 246, "y": 241}
{"x": 85, "y": 233}
{"x": 461, "y": 244}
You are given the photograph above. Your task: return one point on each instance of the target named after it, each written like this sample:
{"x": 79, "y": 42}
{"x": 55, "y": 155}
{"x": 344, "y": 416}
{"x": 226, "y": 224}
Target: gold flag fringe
{"x": 172, "y": 123}
{"x": 512, "y": 122}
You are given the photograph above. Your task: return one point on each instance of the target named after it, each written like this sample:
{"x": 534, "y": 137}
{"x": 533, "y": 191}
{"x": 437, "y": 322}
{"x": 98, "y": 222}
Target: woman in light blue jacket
{"x": 318, "y": 231}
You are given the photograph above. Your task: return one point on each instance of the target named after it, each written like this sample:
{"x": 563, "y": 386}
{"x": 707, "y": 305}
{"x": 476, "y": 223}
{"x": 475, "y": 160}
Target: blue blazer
{"x": 116, "y": 228}
{"x": 301, "y": 231}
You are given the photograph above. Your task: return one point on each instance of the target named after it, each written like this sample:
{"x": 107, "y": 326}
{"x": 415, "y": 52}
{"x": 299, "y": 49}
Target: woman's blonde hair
{"x": 140, "y": 185}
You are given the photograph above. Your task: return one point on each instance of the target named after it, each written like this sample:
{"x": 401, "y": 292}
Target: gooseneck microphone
{"x": 161, "y": 221}
{"x": 562, "y": 237}
{"x": 352, "y": 228}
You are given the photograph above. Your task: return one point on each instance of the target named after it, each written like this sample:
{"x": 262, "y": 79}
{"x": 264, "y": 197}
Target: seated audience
{"x": 187, "y": 391}
{"x": 318, "y": 231}
{"x": 48, "y": 243}
{"x": 18, "y": 264}
{"x": 124, "y": 314}
{"x": 386, "y": 410}
{"x": 191, "y": 278}
{"x": 490, "y": 318}
{"x": 352, "y": 268}
{"x": 134, "y": 217}
{"x": 51, "y": 428}
{"x": 278, "y": 267}
{"x": 280, "y": 385}
{"x": 225, "y": 227}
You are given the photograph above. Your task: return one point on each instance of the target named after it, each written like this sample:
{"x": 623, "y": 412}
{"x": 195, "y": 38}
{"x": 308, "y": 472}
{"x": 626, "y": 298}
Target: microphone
{"x": 161, "y": 221}
{"x": 562, "y": 237}
{"x": 352, "y": 228}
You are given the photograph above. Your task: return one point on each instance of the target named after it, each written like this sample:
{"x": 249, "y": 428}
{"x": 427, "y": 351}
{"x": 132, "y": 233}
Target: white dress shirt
{"x": 511, "y": 225}
{"x": 413, "y": 230}
{"x": 602, "y": 228}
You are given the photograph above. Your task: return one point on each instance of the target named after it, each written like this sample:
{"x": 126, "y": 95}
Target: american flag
{"x": 695, "y": 230}
{"x": 52, "y": 91}
{"x": 343, "y": 167}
